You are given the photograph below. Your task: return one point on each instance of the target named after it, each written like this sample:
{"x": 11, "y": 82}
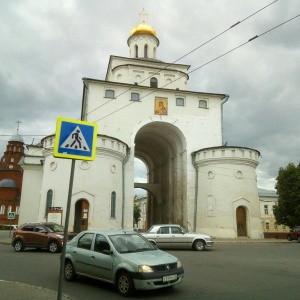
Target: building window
{"x": 267, "y": 226}
{"x": 109, "y": 94}
{"x": 266, "y": 209}
{"x": 12, "y": 159}
{"x": 179, "y": 101}
{"x": 2, "y": 210}
{"x": 202, "y": 104}
{"x": 136, "y": 49}
{"x": 273, "y": 209}
{"x": 17, "y": 210}
{"x": 153, "y": 82}
{"x": 146, "y": 51}
{"x": 48, "y": 201}
{"x": 135, "y": 96}
{"x": 113, "y": 205}
{"x": 9, "y": 209}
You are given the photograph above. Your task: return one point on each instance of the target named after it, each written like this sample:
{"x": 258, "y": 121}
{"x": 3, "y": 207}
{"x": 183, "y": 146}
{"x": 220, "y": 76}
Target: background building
{"x": 268, "y": 199}
{"x": 11, "y": 175}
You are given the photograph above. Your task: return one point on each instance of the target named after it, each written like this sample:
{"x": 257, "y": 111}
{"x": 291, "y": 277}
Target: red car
{"x": 294, "y": 234}
{"x": 40, "y": 236}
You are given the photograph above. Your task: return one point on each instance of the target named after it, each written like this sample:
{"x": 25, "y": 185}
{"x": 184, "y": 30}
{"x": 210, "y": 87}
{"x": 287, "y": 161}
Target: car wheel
{"x": 69, "y": 271}
{"x": 53, "y": 247}
{"x": 289, "y": 238}
{"x": 124, "y": 284}
{"x": 18, "y": 246}
{"x": 199, "y": 245}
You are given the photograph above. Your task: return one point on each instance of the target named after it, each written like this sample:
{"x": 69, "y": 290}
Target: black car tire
{"x": 53, "y": 247}
{"x": 124, "y": 284}
{"x": 18, "y": 246}
{"x": 69, "y": 271}
{"x": 289, "y": 238}
{"x": 199, "y": 245}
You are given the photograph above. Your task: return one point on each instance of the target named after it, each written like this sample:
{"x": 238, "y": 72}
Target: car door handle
{"x": 93, "y": 257}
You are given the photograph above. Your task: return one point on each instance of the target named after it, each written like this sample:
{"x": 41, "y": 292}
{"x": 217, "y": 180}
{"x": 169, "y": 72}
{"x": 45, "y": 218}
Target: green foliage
{"x": 136, "y": 213}
{"x": 287, "y": 212}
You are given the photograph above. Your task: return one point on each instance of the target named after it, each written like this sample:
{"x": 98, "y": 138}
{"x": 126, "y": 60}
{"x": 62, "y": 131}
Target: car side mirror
{"x": 44, "y": 231}
{"x": 107, "y": 252}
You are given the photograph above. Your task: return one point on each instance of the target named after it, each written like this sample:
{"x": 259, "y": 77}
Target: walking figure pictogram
{"x": 76, "y": 141}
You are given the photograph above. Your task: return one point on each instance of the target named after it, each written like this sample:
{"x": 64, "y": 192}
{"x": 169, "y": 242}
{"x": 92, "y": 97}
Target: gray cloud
{"x": 46, "y": 47}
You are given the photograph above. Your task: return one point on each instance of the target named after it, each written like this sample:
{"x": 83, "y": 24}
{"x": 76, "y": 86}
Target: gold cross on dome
{"x": 143, "y": 15}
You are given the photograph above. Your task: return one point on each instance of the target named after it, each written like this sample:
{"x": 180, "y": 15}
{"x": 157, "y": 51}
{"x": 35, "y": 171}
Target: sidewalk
{"x": 17, "y": 290}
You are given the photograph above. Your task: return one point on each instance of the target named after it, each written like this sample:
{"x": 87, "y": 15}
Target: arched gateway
{"x": 162, "y": 147}
{"x": 144, "y": 109}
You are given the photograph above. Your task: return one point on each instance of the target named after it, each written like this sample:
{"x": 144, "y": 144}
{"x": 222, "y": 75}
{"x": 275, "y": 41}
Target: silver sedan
{"x": 175, "y": 237}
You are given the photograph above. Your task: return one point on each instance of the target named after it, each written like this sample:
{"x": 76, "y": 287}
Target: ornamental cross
{"x": 143, "y": 15}
{"x": 18, "y": 122}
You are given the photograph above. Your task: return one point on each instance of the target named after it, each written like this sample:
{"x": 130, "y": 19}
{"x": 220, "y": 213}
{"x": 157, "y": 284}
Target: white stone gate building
{"x": 143, "y": 109}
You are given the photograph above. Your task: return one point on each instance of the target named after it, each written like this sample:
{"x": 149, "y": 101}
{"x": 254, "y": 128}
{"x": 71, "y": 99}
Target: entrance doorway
{"x": 81, "y": 215}
{"x": 241, "y": 221}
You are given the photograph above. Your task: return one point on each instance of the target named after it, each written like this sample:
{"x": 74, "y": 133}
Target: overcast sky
{"x": 46, "y": 47}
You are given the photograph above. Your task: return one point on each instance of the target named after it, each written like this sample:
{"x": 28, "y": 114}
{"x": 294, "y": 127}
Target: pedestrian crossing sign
{"x": 11, "y": 215}
{"x": 75, "y": 139}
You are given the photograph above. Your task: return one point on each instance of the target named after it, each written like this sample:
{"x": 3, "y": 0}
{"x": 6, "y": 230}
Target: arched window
{"x": 9, "y": 209}
{"x": 113, "y": 205}
{"x": 17, "y": 210}
{"x": 136, "y": 49}
{"x": 153, "y": 82}
{"x": 2, "y": 210}
{"x": 146, "y": 51}
{"x": 135, "y": 96}
{"x": 179, "y": 101}
{"x": 109, "y": 94}
{"x": 48, "y": 201}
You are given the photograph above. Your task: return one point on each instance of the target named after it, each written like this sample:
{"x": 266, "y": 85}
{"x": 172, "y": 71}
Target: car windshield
{"x": 54, "y": 227}
{"x": 129, "y": 243}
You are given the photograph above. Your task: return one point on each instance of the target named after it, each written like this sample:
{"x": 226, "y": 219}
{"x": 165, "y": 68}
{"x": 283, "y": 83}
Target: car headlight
{"x": 145, "y": 269}
{"x": 179, "y": 265}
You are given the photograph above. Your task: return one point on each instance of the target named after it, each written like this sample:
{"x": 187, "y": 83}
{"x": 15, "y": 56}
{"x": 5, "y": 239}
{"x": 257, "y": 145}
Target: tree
{"x": 287, "y": 211}
{"x": 136, "y": 213}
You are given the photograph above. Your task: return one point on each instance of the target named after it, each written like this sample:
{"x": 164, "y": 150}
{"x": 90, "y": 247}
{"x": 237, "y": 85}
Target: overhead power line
{"x": 218, "y": 57}
{"x": 188, "y": 53}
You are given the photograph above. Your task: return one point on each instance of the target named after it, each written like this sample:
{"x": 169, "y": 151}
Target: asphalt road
{"x": 227, "y": 271}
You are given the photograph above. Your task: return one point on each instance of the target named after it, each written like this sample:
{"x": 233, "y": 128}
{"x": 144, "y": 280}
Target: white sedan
{"x": 175, "y": 237}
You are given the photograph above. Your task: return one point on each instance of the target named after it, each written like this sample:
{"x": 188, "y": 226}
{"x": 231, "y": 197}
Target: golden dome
{"x": 143, "y": 29}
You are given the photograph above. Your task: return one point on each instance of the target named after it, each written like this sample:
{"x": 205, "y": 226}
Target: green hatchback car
{"x": 123, "y": 258}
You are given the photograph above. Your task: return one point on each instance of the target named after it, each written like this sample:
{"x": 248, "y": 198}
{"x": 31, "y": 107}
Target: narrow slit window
{"x": 113, "y": 205}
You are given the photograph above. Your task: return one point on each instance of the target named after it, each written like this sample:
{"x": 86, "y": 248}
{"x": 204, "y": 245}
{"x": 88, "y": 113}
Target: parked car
{"x": 294, "y": 234}
{"x": 39, "y": 235}
{"x": 123, "y": 258}
{"x": 176, "y": 237}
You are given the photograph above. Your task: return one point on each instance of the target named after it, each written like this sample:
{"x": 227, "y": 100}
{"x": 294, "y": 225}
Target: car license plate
{"x": 169, "y": 278}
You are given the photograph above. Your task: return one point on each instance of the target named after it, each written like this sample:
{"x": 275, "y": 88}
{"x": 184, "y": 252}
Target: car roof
{"x": 110, "y": 231}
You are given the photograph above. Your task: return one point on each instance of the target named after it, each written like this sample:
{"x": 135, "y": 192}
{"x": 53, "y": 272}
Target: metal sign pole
{"x": 63, "y": 254}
